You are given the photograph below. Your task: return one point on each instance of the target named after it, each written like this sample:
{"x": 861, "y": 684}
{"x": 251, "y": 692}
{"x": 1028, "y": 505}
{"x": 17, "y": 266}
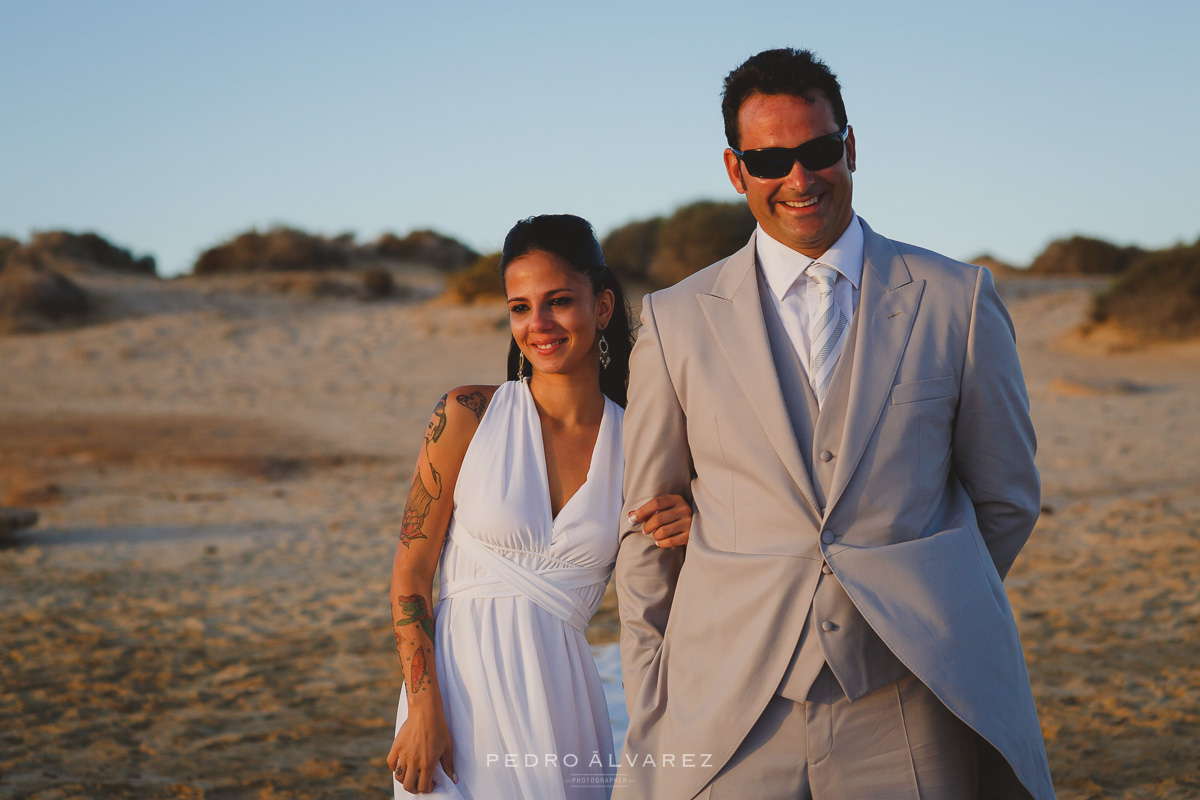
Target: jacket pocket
{"x": 916, "y": 391}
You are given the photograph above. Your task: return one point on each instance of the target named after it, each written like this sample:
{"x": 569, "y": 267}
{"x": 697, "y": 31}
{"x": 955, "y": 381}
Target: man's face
{"x": 806, "y": 210}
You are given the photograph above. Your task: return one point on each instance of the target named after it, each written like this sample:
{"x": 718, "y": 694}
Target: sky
{"x": 171, "y": 126}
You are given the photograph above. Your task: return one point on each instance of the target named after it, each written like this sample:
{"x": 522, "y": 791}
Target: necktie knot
{"x": 823, "y": 276}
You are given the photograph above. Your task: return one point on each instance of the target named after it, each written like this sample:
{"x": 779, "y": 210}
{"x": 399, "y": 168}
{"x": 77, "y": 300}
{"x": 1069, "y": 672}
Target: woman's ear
{"x": 606, "y": 301}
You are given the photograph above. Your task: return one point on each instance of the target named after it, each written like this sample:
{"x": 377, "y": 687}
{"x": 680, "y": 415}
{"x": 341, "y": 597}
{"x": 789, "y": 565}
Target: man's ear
{"x": 733, "y": 168}
{"x": 850, "y": 153}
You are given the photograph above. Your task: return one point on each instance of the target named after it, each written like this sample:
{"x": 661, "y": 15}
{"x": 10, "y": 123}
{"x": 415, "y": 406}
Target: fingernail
{"x": 632, "y": 518}
{"x": 454, "y": 777}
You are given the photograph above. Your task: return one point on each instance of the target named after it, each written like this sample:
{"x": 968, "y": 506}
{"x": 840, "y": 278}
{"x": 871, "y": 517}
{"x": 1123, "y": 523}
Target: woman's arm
{"x": 424, "y": 738}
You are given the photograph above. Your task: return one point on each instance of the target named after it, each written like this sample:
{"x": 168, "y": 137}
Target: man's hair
{"x": 780, "y": 71}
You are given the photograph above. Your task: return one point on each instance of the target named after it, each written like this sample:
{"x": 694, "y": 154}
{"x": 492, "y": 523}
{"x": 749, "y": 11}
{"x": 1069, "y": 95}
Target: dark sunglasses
{"x": 776, "y": 162}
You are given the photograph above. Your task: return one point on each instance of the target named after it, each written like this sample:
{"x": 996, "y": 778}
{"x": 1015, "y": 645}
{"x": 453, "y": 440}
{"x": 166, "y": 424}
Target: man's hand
{"x": 668, "y": 518}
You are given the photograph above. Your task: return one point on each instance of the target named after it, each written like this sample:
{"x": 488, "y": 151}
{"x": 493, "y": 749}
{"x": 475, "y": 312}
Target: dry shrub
{"x": 628, "y": 250}
{"x": 1001, "y": 269}
{"x": 427, "y": 247}
{"x": 280, "y": 249}
{"x": 90, "y": 248}
{"x": 479, "y": 281}
{"x": 375, "y": 283}
{"x": 314, "y": 284}
{"x": 1158, "y": 297}
{"x": 1081, "y": 255}
{"x": 378, "y": 282}
{"x": 697, "y": 235}
{"x": 7, "y": 245}
{"x": 319, "y": 285}
{"x": 34, "y": 296}
{"x": 325, "y": 286}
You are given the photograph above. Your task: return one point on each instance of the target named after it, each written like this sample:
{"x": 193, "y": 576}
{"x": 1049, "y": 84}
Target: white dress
{"x": 521, "y": 692}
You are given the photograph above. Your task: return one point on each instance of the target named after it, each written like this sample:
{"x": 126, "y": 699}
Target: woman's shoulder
{"x": 464, "y": 407}
{"x": 470, "y": 402}
{"x": 455, "y": 419}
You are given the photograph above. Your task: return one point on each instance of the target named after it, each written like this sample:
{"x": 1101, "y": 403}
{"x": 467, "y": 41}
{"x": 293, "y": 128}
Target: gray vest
{"x": 835, "y": 632}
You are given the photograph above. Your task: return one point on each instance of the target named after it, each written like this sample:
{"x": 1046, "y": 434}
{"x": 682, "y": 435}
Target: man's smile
{"x": 812, "y": 201}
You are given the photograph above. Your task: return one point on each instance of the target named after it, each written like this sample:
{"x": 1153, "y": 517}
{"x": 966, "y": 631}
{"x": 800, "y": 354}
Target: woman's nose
{"x": 541, "y": 318}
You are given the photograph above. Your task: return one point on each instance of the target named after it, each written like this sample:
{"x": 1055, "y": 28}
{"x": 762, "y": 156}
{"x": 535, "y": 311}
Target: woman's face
{"x": 554, "y": 314}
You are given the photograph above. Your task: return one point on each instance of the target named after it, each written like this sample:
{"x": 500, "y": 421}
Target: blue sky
{"x": 169, "y": 126}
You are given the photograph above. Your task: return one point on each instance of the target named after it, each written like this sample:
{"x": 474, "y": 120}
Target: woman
{"x": 517, "y": 494}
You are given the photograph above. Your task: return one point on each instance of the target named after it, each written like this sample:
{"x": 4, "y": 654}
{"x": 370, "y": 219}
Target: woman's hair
{"x": 572, "y": 239}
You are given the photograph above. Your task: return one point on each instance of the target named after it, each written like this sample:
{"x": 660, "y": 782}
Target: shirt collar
{"x": 782, "y": 266}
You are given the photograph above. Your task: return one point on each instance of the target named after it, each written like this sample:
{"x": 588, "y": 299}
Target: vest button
{"x": 826, "y": 455}
{"x": 828, "y": 627}
{"x": 826, "y": 569}
{"x": 827, "y": 536}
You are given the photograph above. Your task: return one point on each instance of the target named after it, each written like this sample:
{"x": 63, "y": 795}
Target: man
{"x": 848, "y": 416}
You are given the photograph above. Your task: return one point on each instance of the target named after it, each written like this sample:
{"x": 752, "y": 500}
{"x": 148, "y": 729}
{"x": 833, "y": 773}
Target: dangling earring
{"x": 605, "y": 358}
{"x": 521, "y": 367}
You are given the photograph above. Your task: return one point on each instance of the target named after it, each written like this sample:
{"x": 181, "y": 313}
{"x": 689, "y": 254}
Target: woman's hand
{"x": 422, "y": 741}
{"x": 668, "y": 518}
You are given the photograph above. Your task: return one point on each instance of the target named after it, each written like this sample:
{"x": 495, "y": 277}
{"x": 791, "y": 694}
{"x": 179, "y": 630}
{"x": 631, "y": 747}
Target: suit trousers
{"x": 897, "y": 743}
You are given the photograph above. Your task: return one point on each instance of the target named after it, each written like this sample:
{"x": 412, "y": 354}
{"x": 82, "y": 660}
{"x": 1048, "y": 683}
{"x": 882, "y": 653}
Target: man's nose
{"x": 799, "y": 177}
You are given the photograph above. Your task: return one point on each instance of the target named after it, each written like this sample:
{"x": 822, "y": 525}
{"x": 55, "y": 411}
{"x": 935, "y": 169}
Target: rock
{"x": 16, "y": 519}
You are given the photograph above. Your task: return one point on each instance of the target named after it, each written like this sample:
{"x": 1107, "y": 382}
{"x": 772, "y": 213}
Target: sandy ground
{"x": 202, "y": 610}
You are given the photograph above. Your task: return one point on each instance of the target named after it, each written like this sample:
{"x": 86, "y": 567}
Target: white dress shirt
{"x": 795, "y": 296}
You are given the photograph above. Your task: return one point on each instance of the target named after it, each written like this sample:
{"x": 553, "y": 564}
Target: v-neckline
{"x": 541, "y": 455}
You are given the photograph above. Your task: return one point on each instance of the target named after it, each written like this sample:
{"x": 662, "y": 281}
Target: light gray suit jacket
{"x": 934, "y": 492}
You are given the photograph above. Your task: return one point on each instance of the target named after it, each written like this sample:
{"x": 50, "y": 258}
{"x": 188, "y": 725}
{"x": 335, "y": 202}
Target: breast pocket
{"x": 916, "y": 391}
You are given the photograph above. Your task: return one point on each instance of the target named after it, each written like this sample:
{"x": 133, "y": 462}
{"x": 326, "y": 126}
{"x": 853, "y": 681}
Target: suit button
{"x": 828, "y": 627}
{"x": 827, "y": 536}
{"x": 826, "y": 569}
{"x": 826, "y": 455}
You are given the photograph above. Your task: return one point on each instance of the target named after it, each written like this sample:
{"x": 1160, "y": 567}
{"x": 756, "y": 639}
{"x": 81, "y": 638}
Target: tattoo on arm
{"x": 437, "y": 423}
{"x": 422, "y": 493}
{"x": 414, "y": 611}
{"x": 420, "y": 499}
{"x": 417, "y": 671}
{"x": 476, "y": 401}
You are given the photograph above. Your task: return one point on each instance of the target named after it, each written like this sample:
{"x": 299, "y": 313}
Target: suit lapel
{"x": 735, "y": 318}
{"x": 887, "y": 308}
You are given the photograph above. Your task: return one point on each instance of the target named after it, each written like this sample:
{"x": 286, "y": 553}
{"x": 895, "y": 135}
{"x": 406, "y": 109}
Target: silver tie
{"x": 828, "y": 328}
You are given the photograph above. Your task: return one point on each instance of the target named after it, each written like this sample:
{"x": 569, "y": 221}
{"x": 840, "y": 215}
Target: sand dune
{"x": 201, "y": 611}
